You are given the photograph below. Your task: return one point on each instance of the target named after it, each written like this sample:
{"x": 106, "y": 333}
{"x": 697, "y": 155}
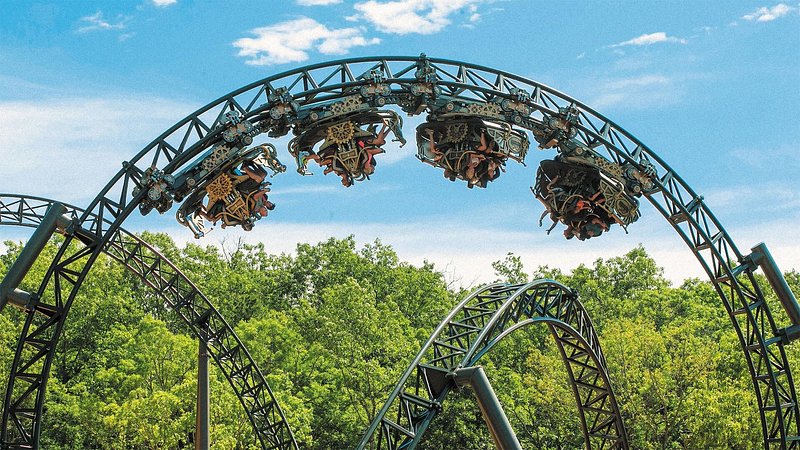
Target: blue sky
{"x": 713, "y": 87}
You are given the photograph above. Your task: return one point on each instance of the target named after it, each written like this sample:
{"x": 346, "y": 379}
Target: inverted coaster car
{"x": 588, "y": 193}
{"x": 349, "y": 142}
{"x": 584, "y": 198}
{"x": 469, "y": 148}
{"x": 228, "y": 185}
{"x": 580, "y": 188}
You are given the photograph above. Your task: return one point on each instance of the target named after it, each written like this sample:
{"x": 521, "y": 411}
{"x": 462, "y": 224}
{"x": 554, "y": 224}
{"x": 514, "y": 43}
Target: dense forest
{"x": 332, "y": 327}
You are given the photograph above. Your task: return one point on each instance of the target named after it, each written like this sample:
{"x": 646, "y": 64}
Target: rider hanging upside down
{"x": 457, "y": 162}
{"x": 347, "y": 149}
{"x": 466, "y": 148}
{"x": 237, "y": 196}
{"x": 477, "y": 165}
{"x": 354, "y": 159}
{"x": 576, "y": 195}
{"x": 258, "y": 174}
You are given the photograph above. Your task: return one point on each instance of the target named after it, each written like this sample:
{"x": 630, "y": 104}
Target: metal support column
{"x": 202, "y": 426}
{"x": 504, "y": 437}
{"x": 16, "y": 273}
{"x": 763, "y": 258}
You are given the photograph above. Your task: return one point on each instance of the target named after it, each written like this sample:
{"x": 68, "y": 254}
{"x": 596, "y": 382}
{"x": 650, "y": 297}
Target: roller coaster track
{"x": 471, "y": 329}
{"x": 761, "y": 342}
{"x": 180, "y": 297}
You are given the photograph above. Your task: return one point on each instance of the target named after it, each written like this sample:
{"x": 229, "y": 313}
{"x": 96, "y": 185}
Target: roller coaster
{"x": 341, "y": 115}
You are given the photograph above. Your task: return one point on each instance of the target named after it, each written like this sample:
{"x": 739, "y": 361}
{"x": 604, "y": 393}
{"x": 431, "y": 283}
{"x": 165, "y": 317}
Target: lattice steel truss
{"x": 470, "y": 330}
{"x": 762, "y": 344}
{"x": 181, "y": 297}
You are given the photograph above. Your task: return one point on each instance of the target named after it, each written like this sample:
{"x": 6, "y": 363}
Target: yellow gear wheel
{"x": 219, "y": 188}
{"x": 484, "y": 109}
{"x": 455, "y": 132}
{"x": 611, "y": 168}
{"x": 340, "y": 133}
{"x": 349, "y": 104}
{"x": 216, "y": 157}
{"x": 352, "y": 103}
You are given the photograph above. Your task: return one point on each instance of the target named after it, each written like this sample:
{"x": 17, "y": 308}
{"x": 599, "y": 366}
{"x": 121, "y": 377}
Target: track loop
{"x": 478, "y": 323}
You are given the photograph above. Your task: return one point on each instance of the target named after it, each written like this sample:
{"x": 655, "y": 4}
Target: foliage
{"x": 333, "y": 326}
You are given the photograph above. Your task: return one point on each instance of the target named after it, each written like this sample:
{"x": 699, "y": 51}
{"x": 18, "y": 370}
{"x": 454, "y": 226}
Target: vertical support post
{"x": 202, "y": 425}
{"x": 28, "y": 255}
{"x": 499, "y": 426}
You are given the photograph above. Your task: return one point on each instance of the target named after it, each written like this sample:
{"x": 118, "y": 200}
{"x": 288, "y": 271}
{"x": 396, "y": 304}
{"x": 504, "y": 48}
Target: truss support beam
{"x": 502, "y": 433}
{"x": 33, "y": 248}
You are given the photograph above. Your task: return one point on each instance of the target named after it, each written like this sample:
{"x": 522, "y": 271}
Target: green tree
{"x": 333, "y": 325}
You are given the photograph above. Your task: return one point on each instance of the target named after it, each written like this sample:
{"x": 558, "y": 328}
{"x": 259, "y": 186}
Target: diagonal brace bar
{"x": 52, "y": 219}
{"x": 761, "y": 257}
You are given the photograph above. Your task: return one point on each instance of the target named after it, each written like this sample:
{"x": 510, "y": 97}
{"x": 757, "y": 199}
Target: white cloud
{"x": 650, "y": 39}
{"x": 778, "y": 198}
{"x": 469, "y": 245}
{"x": 640, "y": 81}
{"x": 414, "y": 16}
{"x": 317, "y": 2}
{"x": 69, "y": 148}
{"x": 765, "y": 14}
{"x": 635, "y": 92}
{"x": 788, "y": 156}
{"x": 95, "y": 22}
{"x": 19, "y": 87}
{"x": 465, "y": 252}
{"x": 164, "y": 3}
{"x": 473, "y": 14}
{"x": 290, "y": 41}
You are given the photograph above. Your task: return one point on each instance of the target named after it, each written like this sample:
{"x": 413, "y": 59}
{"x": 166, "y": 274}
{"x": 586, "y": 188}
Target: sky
{"x": 712, "y": 87}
